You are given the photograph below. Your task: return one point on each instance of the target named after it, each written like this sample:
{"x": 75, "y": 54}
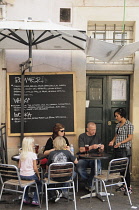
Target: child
{"x": 28, "y": 168}
{"x": 61, "y": 154}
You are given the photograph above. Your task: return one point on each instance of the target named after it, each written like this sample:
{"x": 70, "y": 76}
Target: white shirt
{"x": 26, "y": 168}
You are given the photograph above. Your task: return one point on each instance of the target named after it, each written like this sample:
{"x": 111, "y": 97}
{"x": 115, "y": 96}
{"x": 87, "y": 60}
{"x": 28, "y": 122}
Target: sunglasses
{"x": 62, "y": 131}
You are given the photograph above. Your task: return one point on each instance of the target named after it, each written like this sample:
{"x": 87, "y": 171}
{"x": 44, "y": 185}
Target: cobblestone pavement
{"x": 118, "y": 201}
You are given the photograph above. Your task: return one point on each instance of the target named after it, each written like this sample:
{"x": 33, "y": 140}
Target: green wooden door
{"x": 105, "y": 94}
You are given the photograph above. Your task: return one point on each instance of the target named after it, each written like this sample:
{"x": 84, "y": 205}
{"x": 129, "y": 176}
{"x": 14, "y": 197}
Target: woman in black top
{"x": 58, "y": 130}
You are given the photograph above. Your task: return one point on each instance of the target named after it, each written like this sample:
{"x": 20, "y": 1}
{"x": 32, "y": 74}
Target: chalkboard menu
{"x": 49, "y": 98}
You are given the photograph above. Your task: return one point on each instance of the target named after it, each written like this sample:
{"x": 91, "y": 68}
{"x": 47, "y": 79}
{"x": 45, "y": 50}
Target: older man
{"x": 89, "y": 138}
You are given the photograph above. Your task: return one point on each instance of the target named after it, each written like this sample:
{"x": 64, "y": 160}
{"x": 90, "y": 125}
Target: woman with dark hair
{"x": 122, "y": 142}
{"x": 58, "y": 130}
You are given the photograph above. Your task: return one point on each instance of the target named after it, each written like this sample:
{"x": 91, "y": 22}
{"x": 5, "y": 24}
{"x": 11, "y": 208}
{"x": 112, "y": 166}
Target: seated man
{"x": 89, "y": 138}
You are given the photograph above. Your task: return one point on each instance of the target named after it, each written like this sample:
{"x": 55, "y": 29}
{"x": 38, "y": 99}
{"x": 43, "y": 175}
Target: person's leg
{"x": 81, "y": 168}
{"x": 26, "y": 197}
{"x": 39, "y": 185}
{"x": 127, "y": 178}
{"x": 120, "y": 154}
{"x": 65, "y": 191}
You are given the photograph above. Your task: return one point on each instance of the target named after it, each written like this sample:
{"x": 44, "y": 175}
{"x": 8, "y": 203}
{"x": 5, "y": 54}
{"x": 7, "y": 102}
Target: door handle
{"x": 109, "y": 122}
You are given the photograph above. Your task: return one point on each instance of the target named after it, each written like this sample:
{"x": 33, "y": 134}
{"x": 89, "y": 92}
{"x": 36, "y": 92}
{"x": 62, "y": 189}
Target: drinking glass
{"x": 36, "y": 148}
{"x": 86, "y": 149}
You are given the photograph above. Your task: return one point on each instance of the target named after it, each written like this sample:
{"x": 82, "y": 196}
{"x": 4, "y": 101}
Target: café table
{"x": 95, "y": 157}
{"x": 15, "y": 157}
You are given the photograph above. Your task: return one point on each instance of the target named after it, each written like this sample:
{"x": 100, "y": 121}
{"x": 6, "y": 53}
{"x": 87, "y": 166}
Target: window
{"x": 65, "y": 14}
{"x": 112, "y": 33}
{"x": 120, "y": 38}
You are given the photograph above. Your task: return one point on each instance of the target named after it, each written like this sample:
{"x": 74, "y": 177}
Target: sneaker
{"x": 121, "y": 188}
{"x": 26, "y": 201}
{"x": 129, "y": 190}
{"x": 58, "y": 196}
{"x": 36, "y": 203}
{"x": 89, "y": 188}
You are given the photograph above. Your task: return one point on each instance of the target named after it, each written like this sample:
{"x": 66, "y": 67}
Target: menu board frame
{"x": 65, "y": 86}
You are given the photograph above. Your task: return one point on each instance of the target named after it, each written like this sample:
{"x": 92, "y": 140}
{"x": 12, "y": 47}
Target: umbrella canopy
{"x": 48, "y": 35}
{"x": 40, "y": 35}
{"x": 109, "y": 52}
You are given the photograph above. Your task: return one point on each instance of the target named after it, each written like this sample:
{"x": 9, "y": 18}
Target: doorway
{"x": 104, "y": 95}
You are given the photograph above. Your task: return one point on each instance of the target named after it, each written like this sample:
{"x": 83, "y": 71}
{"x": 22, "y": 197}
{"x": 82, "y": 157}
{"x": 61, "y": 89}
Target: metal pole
{"x": 30, "y": 50}
{"x": 22, "y": 105}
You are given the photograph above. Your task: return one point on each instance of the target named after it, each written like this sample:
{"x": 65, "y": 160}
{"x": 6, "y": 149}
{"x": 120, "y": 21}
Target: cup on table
{"x": 36, "y": 148}
{"x": 86, "y": 149}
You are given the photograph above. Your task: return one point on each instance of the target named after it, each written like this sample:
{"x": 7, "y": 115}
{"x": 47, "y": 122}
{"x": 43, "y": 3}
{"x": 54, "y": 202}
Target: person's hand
{"x": 96, "y": 146}
{"x": 38, "y": 176}
{"x": 111, "y": 143}
{"x": 101, "y": 146}
{"x": 67, "y": 148}
{"x": 117, "y": 145}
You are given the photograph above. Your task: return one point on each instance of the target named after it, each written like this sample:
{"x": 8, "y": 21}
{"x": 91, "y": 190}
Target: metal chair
{"x": 113, "y": 174}
{"x": 59, "y": 174}
{"x": 9, "y": 176}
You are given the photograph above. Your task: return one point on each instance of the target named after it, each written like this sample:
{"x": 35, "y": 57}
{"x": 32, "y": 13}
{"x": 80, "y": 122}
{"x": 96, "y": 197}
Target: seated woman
{"x": 58, "y": 130}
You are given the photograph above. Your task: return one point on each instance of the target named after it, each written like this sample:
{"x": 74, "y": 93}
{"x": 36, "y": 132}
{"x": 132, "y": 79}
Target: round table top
{"x": 94, "y": 156}
{"x": 15, "y": 157}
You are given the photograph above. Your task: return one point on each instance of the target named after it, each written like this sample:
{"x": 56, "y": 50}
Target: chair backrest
{"x": 116, "y": 166}
{"x": 8, "y": 172}
{"x": 61, "y": 172}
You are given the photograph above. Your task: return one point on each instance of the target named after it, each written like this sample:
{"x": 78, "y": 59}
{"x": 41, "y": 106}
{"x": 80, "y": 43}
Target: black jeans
{"x": 120, "y": 153}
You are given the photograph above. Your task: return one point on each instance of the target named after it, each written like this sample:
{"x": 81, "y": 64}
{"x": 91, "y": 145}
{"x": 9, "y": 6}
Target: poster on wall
{"x": 118, "y": 90}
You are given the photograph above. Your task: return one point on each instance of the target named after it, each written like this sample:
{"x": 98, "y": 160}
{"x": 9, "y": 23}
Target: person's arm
{"x": 82, "y": 149}
{"x": 129, "y": 138}
{"x": 36, "y": 168}
{"x": 48, "y": 147}
{"x": 97, "y": 144}
{"x": 101, "y": 147}
{"x": 94, "y": 146}
{"x": 111, "y": 143}
{"x": 19, "y": 164}
{"x": 47, "y": 152}
{"x": 67, "y": 142}
{"x": 81, "y": 143}
{"x": 70, "y": 157}
{"x": 76, "y": 161}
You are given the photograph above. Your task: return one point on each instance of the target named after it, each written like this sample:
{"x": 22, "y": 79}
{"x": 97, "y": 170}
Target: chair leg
{"x": 22, "y": 197}
{"x": 92, "y": 188}
{"x": 42, "y": 192}
{"x": 46, "y": 196}
{"x": 128, "y": 192}
{"x": 1, "y": 191}
{"x": 106, "y": 194}
{"x": 111, "y": 188}
{"x": 74, "y": 195}
{"x": 77, "y": 182}
{"x": 38, "y": 194}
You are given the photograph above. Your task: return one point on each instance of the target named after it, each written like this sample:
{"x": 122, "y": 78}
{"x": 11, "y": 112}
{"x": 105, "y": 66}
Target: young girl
{"x": 28, "y": 167}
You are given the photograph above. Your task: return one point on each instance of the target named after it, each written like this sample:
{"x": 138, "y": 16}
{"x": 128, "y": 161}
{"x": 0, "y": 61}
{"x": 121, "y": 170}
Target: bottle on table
{"x": 72, "y": 149}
